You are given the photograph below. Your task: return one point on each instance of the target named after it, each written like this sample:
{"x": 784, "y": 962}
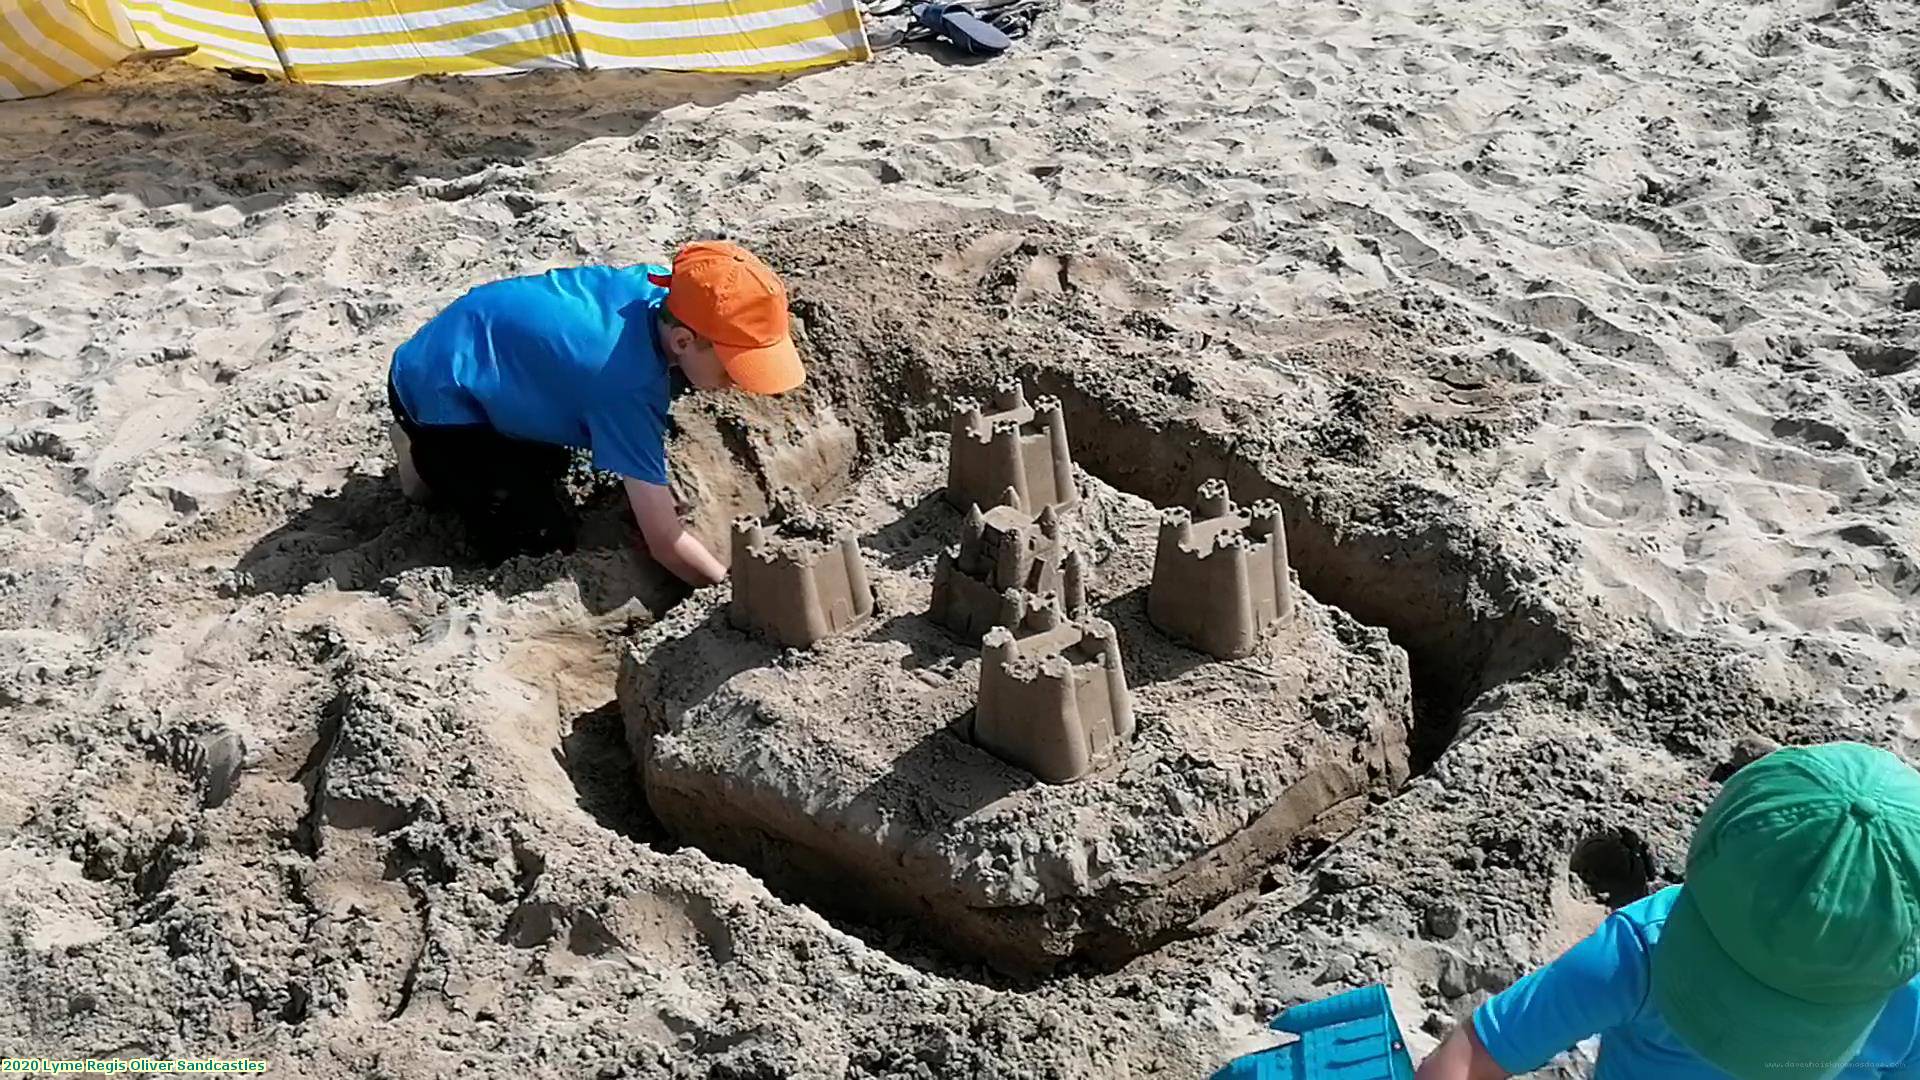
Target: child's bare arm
{"x": 1461, "y": 1057}
{"x": 668, "y": 541}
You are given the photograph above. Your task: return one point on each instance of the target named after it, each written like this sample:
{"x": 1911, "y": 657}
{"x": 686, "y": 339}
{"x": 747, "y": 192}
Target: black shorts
{"x": 506, "y": 490}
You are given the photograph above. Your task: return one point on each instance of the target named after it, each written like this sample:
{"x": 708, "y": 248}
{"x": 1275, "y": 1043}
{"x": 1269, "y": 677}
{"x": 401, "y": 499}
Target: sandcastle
{"x": 1004, "y": 550}
{"x": 1053, "y": 695}
{"x": 1010, "y": 444}
{"x": 795, "y": 581}
{"x": 1220, "y": 574}
{"x": 970, "y": 721}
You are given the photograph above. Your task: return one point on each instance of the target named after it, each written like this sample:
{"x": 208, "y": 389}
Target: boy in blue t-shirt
{"x": 1791, "y": 953}
{"x": 491, "y": 394}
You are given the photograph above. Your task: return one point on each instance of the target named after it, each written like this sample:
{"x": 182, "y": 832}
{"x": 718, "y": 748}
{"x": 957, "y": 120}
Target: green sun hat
{"x": 1800, "y": 916}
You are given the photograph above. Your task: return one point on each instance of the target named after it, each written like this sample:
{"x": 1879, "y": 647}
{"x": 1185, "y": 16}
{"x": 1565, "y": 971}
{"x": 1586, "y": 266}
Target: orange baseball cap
{"x": 724, "y": 293}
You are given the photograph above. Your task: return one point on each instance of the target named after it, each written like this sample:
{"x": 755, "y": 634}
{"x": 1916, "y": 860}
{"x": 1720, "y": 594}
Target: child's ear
{"x": 679, "y": 340}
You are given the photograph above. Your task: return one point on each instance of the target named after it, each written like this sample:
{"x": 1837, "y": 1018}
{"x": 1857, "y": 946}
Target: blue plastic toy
{"x": 1350, "y": 1036}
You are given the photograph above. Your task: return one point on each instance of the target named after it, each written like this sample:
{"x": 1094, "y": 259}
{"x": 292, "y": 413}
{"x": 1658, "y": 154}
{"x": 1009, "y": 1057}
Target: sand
{"x": 853, "y": 773}
{"x": 1577, "y": 342}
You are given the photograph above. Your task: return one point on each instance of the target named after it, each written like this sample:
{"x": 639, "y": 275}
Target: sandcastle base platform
{"x": 843, "y": 774}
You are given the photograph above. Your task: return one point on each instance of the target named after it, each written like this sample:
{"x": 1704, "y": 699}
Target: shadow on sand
{"x": 595, "y": 756}
{"x": 366, "y": 532}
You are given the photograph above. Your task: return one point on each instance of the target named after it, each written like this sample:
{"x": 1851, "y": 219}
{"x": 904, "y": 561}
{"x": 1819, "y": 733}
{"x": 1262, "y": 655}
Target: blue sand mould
{"x": 1350, "y": 1036}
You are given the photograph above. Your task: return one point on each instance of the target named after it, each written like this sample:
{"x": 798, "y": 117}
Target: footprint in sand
{"x": 1614, "y": 484}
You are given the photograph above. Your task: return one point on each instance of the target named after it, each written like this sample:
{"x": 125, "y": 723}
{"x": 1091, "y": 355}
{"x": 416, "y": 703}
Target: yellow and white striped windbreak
{"x": 369, "y": 41}
{"x": 46, "y": 45}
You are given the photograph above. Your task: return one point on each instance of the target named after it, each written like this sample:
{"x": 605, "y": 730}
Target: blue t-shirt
{"x": 567, "y": 357}
{"x": 1601, "y": 987}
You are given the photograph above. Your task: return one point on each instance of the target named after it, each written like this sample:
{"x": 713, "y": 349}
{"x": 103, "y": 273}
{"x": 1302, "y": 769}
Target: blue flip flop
{"x": 960, "y": 26}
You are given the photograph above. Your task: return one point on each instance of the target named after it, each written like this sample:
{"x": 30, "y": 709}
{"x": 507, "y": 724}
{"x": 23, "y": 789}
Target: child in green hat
{"x": 1791, "y": 953}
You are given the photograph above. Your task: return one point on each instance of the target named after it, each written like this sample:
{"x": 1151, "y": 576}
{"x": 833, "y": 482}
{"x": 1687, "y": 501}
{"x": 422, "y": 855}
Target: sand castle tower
{"x": 1220, "y": 574}
{"x": 1053, "y": 698}
{"x": 1004, "y": 550}
{"x": 796, "y": 580}
{"x": 1010, "y": 444}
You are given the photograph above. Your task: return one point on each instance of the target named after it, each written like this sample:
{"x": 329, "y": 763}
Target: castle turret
{"x": 1214, "y": 501}
{"x": 973, "y": 532}
{"x": 1073, "y": 584}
